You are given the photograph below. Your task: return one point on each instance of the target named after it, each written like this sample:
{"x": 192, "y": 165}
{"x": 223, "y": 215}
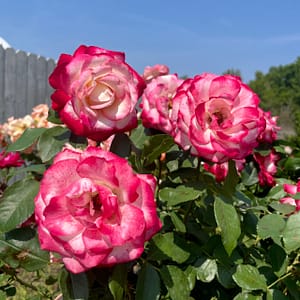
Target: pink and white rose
{"x": 267, "y": 167}
{"x": 269, "y": 135}
{"x": 96, "y": 92}
{"x": 217, "y": 117}
{"x": 94, "y": 210}
{"x": 221, "y": 170}
{"x": 151, "y": 72}
{"x": 156, "y": 102}
{"x": 10, "y": 159}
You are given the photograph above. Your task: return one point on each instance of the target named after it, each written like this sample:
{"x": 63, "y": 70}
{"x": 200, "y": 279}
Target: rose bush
{"x": 96, "y": 92}
{"x": 94, "y": 210}
{"x": 195, "y": 206}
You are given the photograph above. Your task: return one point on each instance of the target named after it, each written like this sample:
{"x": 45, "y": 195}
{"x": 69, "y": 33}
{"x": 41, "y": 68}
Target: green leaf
{"x": 53, "y": 117}
{"x": 249, "y": 175}
{"x": 156, "y": 145}
{"x": 229, "y": 223}
{"x": 190, "y": 274}
{"x": 279, "y": 259}
{"x": 247, "y": 296}
{"x": 121, "y": 145}
{"x": 292, "y": 287}
{"x": 248, "y": 277}
{"x": 20, "y": 234}
{"x": 224, "y": 276}
{"x": 177, "y": 222}
{"x": 138, "y": 136}
{"x": 65, "y": 285}
{"x": 206, "y": 269}
{"x": 80, "y": 286}
{"x": 168, "y": 246}
{"x": 276, "y": 193}
{"x": 276, "y": 295}
{"x": 3, "y": 295}
{"x": 181, "y": 194}
{"x": 231, "y": 179}
{"x": 17, "y": 203}
{"x": 39, "y": 169}
{"x": 176, "y": 282}
{"x": 291, "y": 233}
{"x": 25, "y": 254}
{"x": 148, "y": 284}
{"x": 73, "y": 286}
{"x": 292, "y": 164}
{"x": 117, "y": 281}
{"x": 28, "y": 138}
{"x": 271, "y": 226}
{"x": 283, "y": 208}
{"x": 52, "y": 141}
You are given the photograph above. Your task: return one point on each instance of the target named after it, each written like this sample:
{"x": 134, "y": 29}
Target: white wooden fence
{"x": 23, "y": 82}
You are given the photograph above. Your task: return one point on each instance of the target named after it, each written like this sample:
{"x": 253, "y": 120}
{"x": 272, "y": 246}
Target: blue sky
{"x": 191, "y": 37}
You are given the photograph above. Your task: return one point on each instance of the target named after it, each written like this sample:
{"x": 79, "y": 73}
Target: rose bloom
{"x": 156, "y": 102}
{"x": 221, "y": 170}
{"x": 151, "y": 72}
{"x": 267, "y": 167}
{"x": 292, "y": 190}
{"x": 10, "y": 159}
{"x": 217, "y": 117}
{"x": 269, "y": 135}
{"x": 94, "y": 210}
{"x": 96, "y": 92}
{"x": 39, "y": 115}
{"x": 14, "y": 128}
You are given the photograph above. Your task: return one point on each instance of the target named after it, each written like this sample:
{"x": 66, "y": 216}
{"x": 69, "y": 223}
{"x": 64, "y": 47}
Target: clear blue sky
{"x": 191, "y": 37}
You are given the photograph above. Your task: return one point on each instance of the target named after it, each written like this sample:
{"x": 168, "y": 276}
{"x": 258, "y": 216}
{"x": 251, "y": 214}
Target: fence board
{"x": 2, "y": 72}
{"x": 10, "y": 82}
{"x": 23, "y": 82}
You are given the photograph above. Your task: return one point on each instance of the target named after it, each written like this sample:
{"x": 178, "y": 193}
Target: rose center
{"x": 219, "y": 117}
{"x": 95, "y": 204}
{"x": 101, "y": 96}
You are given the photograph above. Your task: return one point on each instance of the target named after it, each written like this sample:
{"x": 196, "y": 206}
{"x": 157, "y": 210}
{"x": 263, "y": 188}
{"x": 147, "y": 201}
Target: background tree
{"x": 233, "y": 71}
{"x": 279, "y": 91}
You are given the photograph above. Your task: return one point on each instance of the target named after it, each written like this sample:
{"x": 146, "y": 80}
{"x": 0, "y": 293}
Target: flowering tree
{"x": 187, "y": 195}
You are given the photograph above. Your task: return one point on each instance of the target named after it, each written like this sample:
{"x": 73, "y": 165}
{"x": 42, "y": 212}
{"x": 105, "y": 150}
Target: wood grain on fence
{"x": 23, "y": 82}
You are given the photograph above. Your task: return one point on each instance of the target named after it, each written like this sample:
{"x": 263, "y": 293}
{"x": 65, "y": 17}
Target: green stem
{"x": 279, "y": 279}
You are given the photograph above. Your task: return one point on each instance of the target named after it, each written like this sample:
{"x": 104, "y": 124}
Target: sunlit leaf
{"x": 291, "y": 233}
{"x": 181, "y": 194}
{"x": 17, "y": 203}
{"x": 28, "y": 138}
{"x": 228, "y": 221}
{"x": 248, "y": 277}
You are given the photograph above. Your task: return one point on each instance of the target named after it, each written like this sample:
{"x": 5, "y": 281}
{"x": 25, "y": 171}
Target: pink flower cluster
{"x": 214, "y": 117}
{"x": 92, "y": 208}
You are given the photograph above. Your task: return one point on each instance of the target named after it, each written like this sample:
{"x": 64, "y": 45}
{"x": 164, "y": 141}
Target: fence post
{"x": 23, "y": 82}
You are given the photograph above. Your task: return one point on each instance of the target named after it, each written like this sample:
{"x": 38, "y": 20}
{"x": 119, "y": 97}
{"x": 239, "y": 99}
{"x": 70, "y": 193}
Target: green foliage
{"x": 228, "y": 240}
{"x": 279, "y": 91}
